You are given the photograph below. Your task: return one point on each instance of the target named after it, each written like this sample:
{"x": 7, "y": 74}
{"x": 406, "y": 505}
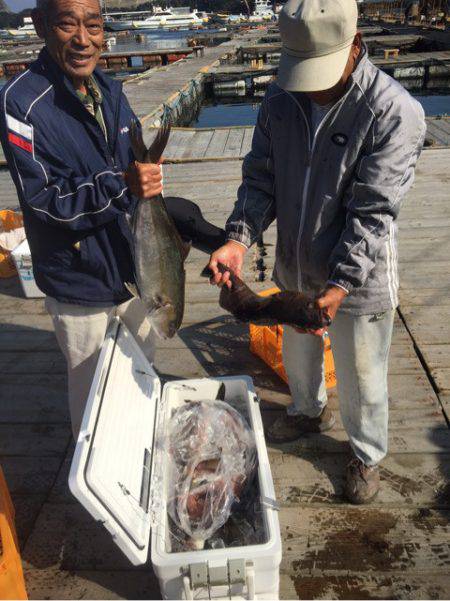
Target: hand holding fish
{"x": 231, "y": 255}
{"x": 329, "y": 302}
{"x": 144, "y": 179}
{"x": 285, "y": 307}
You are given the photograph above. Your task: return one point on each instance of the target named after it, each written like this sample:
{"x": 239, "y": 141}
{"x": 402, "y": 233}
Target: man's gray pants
{"x": 80, "y": 332}
{"x": 360, "y": 346}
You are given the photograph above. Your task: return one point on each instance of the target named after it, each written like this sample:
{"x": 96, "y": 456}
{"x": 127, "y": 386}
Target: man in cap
{"x": 333, "y": 155}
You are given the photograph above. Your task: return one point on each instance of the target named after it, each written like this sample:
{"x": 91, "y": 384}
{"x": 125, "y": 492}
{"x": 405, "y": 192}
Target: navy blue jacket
{"x": 69, "y": 182}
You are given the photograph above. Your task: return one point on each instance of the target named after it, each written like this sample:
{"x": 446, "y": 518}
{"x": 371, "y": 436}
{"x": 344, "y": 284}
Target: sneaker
{"x": 363, "y": 482}
{"x": 288, "y": 428}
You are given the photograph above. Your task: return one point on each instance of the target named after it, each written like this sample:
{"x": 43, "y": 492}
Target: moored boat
{"x": 26, "y": 30}
{"x": 112, "y": 24}
{"x": 170, "y": 19}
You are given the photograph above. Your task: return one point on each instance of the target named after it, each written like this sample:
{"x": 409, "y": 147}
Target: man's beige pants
{"x": 80, "y": 332}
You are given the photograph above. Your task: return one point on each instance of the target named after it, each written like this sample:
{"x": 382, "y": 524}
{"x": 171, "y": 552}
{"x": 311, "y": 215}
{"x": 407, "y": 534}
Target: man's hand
{"x": 144, "y": 180}
{"x": 330, "y": 300}
{"x": 231, "y": 255}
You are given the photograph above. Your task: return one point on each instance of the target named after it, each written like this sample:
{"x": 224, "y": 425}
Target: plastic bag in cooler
{"x": 212, "y": 459}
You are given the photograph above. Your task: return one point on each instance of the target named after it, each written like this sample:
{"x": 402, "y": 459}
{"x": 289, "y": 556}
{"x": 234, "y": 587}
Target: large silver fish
{"x": 159, "y": 252}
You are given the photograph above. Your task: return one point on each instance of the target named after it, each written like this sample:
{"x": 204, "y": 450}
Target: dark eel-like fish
{"x": 286, "y": 307}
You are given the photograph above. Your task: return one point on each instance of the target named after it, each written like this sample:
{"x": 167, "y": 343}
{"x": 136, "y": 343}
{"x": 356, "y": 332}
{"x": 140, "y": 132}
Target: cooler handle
{"x": 250, "y": 580}
{"x": 203, "y": 580}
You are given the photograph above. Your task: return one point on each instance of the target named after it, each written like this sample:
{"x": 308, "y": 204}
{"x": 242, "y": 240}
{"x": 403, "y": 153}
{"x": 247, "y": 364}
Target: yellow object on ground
{"x": 9, "y": 220}
{"x": 12, "y": 585}
{"x": 267, "y": 343}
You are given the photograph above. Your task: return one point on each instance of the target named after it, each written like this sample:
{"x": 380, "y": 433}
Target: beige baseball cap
{"x": 316, "y": 37}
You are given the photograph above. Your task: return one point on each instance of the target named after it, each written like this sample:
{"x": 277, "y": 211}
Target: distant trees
{"x": 9, "y": 20}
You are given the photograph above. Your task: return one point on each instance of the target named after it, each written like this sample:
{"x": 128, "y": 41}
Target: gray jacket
{"x": 336, "y": 196}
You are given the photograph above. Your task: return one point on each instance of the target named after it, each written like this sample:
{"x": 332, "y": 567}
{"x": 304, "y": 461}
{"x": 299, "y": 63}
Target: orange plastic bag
{"x": 9, "y": 220}
{"x": 267, "y": 343}
{"x": 12, "y": 584}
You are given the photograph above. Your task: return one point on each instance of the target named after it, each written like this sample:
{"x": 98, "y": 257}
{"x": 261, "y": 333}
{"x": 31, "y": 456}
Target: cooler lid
{"x": 111, "y": 471}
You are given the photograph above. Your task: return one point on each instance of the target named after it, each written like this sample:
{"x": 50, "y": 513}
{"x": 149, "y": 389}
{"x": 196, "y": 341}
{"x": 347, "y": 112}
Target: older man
{"x": 64, "y": 129}
{"x": 333, "y": 156}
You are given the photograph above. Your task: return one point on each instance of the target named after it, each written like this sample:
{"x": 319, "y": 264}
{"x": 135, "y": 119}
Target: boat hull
{"x": 119, "y": 26}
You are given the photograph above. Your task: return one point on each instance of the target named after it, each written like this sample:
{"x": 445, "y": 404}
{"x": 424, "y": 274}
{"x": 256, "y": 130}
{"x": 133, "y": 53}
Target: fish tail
{"x": 159, "y": 144}
{"x": 137, "y": 142}
{"x": 154, "y": 153}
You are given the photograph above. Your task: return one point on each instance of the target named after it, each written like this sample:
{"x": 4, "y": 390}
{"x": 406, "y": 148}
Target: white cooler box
{"x": 118, "y": 473}
{"x": 21, "y": 256}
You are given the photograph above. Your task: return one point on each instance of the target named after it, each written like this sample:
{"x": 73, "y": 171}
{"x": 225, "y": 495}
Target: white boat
{"x": 203, "y": 16}
{"x": 169, "y": 19}
{"x": 26, "y": 30}
{"x": 236, "y": 18}
{"x": 112, "y": 24}
{"x": 263, "y": 12}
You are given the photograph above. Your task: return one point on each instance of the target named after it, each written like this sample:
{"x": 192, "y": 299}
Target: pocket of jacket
{"x": 89, "y": 262}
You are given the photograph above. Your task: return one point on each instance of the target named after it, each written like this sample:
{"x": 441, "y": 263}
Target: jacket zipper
{"x": 116, "y": 128}
{"x": 311, "y": 146}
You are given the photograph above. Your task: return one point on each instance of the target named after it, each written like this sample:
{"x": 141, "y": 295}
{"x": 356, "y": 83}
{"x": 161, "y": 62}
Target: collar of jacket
{"x": 107, "y": 85}
{"x": 94, "y": 90}
{"x": 110, "y": 89}
{"x": 361, "y": 66}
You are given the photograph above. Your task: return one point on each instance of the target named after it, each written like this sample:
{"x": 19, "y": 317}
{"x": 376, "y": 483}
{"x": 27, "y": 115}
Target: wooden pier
{"x": 188, "y": 144}
{"x": 399, "y": 547}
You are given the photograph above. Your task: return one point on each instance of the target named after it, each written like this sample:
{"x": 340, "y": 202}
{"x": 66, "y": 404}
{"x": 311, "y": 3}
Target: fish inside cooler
{"x": 211, "y": 468}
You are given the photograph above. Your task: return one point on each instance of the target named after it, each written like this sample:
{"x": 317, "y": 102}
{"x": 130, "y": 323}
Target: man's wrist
{"x": 243, "y": 246}
{"x": 333, "y": 284}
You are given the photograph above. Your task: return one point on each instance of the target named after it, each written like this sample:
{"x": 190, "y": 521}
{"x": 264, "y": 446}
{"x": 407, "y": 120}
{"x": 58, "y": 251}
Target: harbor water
{"x": 220, "y": 113}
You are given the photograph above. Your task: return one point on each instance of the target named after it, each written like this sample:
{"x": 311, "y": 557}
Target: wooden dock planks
{"x": 397, "y": 548}
{"x": 235, "y": 142}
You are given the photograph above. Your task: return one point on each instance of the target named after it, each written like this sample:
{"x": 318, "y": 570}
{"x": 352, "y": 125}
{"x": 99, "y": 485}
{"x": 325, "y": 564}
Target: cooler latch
{"x": 235, "y": 572}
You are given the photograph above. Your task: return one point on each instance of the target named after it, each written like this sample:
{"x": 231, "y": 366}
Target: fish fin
{"x": 158, "y": 145}
{"x": 206, "y": 272}
{"x": 132, "y": 289}
{"x": 185, "y": 249}
{"x": 220, "y": 396}
{"x": 137, "y": 142}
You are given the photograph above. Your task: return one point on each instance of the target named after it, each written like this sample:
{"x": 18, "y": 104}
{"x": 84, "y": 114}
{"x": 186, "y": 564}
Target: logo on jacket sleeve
{"x": 340, "y": 139}
{"x": 19, "y": 134}
{"x": 124, "y": 130}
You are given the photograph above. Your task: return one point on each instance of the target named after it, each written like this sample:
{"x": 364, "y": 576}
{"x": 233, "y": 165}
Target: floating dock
{"x": 117, "y": 60}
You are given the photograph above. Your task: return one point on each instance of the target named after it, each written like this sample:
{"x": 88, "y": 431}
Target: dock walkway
{"x": 399, "y": 547}
{"x": 156, "y": 87}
